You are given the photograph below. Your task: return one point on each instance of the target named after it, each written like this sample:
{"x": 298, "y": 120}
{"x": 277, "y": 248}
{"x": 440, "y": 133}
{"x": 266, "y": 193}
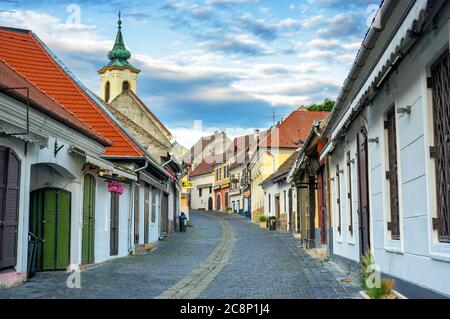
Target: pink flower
{"x": 115, "y": 187}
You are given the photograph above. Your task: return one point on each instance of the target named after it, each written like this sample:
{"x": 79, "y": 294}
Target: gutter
{"x": 367, "y": 46}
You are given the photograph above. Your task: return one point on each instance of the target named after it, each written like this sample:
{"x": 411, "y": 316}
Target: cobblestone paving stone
{"x": 192, "y": 285}
{"x": 261, "y": 264}
{"x": 135, "y": 276}
{"x": 270, "y": 265}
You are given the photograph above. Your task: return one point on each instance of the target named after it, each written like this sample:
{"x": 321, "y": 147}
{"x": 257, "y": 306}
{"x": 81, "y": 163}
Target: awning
{"x": 13, "y": 130}
{"x": 151, "y": 181}
{"x": 399, "y": 42}
{"x": 105, "y": 165}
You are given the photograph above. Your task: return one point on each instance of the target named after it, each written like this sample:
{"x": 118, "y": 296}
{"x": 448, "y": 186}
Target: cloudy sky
{"x": 230, "y": 63}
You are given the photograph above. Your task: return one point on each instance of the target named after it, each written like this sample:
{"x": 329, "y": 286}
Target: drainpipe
{"x": 141, "y": 168}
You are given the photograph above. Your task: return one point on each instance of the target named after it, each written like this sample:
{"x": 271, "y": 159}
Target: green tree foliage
{"x": 326, "y": 106}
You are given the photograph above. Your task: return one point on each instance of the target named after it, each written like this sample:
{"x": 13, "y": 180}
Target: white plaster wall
{"x": 346, "y": 243}
{"x": 198, "y": 202}
{"x": 273, "y": 190}
{"x": 417, "y": 257}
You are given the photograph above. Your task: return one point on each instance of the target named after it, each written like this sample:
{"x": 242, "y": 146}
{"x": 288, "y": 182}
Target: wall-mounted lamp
{"x": 375, "y": 140}
{"x": 404, "y": 110}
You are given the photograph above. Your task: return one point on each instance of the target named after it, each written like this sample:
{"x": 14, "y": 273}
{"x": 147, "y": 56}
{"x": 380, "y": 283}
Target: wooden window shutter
{"x": 349, "y": 193}
{"x": 338, "y": 198}
{"x": 392, "y": 176}
{"x": 154, "y": 205}
{"x": 146, "y": 213}
{"x": 440, "y": 85}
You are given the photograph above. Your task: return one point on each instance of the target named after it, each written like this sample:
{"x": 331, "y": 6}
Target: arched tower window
{"x": 107, "y": 91}
{"x": 125, "y": 86}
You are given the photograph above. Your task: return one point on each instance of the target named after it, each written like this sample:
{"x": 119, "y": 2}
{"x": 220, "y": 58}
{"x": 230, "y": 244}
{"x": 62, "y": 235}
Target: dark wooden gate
{"x": 137, "y": 207}
{"x": 9, "y": 206}
{"x": 291, "y": 211}
{"x": 441, "y": 151}
{"x": 50, "y": 221}
{"x": 146, "y": 213}
{"x": 165, "y": 213}
{"x": 363, "y": 187}
{"x": 175, "y": 209}
{"x": 114, "y": 225}
{"x": 88, "y": 220}
{"x": 210, "y": 204}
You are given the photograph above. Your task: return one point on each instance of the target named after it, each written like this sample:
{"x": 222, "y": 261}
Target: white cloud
{"x": 79, "y": 38}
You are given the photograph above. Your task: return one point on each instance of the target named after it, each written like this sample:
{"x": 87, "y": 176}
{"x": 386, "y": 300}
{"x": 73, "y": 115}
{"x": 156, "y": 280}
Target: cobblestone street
{"x": 220, "y": 257}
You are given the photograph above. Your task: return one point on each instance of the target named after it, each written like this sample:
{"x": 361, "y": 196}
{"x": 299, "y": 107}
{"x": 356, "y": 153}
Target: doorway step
{"x": 11, "y": 278}
{"x": 144, "y": 249}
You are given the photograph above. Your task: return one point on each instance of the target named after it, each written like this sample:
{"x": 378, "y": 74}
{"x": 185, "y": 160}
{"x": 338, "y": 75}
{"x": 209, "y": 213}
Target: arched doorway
{"x": 210, "y": 204}
{"x": 9, "y": 206}
{"x": 218, "y": 202}
{"x": 88, "y": 220}
{"x": 50, "y": 221}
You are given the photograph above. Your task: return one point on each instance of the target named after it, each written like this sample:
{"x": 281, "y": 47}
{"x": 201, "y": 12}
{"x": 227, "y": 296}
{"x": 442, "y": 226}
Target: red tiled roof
{"x": 23, "y": 51}
{"x": 202, "y": 169}
{"x": 294, "y": 128}
{"x": 10, "y": 79}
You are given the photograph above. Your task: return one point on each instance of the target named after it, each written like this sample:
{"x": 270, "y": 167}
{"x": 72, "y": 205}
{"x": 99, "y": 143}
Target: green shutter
{"x": 88, "y": 220}
{"x": 49, "y": 230}
{"x": 63, "y": 231}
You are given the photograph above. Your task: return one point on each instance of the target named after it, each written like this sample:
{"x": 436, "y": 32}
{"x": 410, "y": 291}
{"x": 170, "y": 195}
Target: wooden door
{"x": 322, "y": 206}
{"x": 114, "y": 225}
{"x": 50, "y": 221}
{"x": 312, "y": 211}
{"x": 9, "y": 206}
{"x": 88, "y": 220}
{"x": 146, "y": 213}
{"x": 363, "y": 187}
{"x": 137, "y": 205}
{"x": 277, "y": 209}
{"x": 291, "y": 211}
{"x": 210, "y": 204}
{"x": 165, "y": 213}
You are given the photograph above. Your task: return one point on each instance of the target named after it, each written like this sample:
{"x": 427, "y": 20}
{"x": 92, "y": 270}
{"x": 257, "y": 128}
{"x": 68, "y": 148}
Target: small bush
{"x": 263, "y": 218}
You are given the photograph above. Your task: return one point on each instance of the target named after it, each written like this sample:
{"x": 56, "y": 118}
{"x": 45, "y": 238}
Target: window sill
{"x": 394, "y": 249}
{"x": 440, "y": 251}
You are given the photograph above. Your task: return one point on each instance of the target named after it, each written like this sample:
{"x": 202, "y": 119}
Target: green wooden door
{"x": 88, "y": 220}
{"x": 50, "y": 220}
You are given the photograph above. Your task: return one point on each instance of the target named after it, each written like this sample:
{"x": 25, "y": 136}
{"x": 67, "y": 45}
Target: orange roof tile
{"x": 294, "y": 128}
{"x": 24, "y": 52}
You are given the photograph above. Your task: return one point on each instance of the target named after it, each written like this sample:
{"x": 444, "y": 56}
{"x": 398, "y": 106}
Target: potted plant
{"x": 386, "y": 287}
{"x": 263, "y": 221}
{"x": 229, "y": 209}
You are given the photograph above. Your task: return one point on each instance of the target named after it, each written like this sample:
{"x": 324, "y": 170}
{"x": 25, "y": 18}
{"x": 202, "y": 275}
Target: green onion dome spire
{"x": 119, "y": 55}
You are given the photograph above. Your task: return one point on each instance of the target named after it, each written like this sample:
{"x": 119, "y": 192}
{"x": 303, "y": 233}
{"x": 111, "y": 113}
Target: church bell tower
{"x": 119, "y": 75}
